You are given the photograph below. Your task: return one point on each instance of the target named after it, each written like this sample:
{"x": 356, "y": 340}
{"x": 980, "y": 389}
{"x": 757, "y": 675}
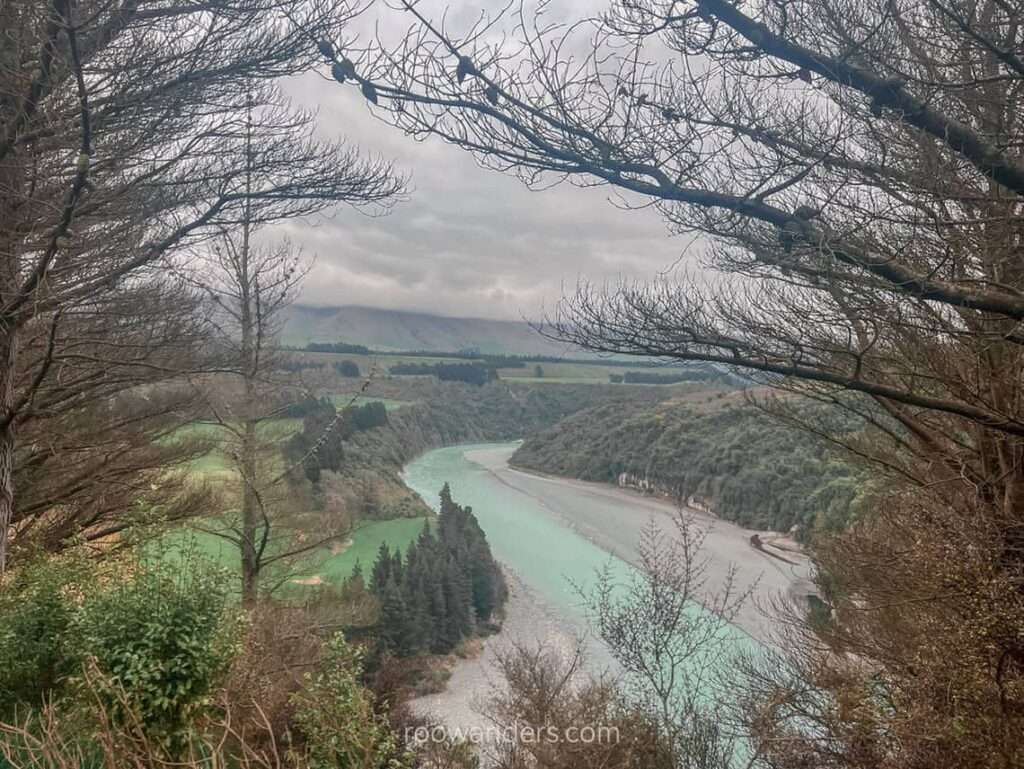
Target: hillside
{"x": 445, "y": 414}
{"x": 746, "y": 466}
{"x": 396, "y": 330}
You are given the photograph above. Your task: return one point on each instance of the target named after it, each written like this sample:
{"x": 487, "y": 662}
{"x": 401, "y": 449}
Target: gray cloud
{"x": 468, "y": 241}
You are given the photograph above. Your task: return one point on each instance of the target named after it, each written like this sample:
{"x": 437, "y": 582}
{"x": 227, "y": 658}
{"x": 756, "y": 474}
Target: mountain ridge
{"x": 405, "y": 330}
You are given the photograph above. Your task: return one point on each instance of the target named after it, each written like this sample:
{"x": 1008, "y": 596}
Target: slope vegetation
{"x": 745, "y": 466}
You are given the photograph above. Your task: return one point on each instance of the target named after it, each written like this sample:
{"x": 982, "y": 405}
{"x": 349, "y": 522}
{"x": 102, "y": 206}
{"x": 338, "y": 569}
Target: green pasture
{"x": 362, "y": 547}
{"x": 564, "y": 372}
{"x": 322, "y": 565}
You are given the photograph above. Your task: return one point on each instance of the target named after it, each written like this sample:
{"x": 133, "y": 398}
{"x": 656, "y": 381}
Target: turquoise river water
{"x": 549, "y": 532}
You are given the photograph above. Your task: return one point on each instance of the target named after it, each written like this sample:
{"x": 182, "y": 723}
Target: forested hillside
{"x": 747, "y": 467}
{"x": 444, "y": 414}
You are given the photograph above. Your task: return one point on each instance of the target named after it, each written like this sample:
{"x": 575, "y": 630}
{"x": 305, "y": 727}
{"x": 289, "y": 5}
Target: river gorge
{"x": 552, "y": 535}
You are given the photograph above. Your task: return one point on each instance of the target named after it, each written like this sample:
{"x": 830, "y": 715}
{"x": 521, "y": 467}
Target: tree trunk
{"x": 11, "y": 179}
{"x": 8, "y": 357}
{"x": 251, "y": 557}
{"x": 252, "y": 551}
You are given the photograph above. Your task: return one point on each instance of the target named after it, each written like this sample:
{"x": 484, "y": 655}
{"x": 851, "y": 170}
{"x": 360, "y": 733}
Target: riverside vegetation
{"x": 853, "y": 169}
{"x": 734, "y": 458}
{"x": 428, "y": 598}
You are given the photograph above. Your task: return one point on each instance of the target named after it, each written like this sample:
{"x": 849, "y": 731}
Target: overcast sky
{"x": 468, "y": 241}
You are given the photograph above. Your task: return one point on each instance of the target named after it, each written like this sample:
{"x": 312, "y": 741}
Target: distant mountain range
{"x": 395, "y": 330}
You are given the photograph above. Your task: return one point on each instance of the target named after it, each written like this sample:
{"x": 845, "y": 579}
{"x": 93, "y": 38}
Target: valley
{"x": 639, "y": 381}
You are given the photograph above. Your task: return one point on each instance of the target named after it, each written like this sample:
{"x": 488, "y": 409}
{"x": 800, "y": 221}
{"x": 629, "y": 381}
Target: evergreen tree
{"x": 395, "y": 625}
{"x": 381, "y": 569}
{"x": 396, "y": 569}
{"x": 488, "y": 586}
{"x": 447, "y": 583}
{"x": 460, "y": 620}
{"x": 357, "y": 572}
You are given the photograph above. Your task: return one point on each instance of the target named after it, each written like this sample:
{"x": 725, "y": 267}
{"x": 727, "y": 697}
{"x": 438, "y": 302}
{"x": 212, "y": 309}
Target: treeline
{"x": 346, "y": 368}
{"x": 297, "y": 364}
{"x": 675, "y": 377}
{"x": 445, "y": 589}
{"x": 338, "y": 347}
{"x": 511, "y": 360}
{"x": 320, "y": 443}
{"x": 747, "y": 467}
{"x": 471, "y": 373}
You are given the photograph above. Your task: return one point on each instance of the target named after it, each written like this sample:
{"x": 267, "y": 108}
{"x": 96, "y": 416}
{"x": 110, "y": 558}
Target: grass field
{"x": 334, "y": 568}
{"x": 325, "y": 564}
{"x": 559, "y": 372}
{"x": 186, "y": 544}
{"x": 322, "y": 566}
{"x": 215, "y": 465}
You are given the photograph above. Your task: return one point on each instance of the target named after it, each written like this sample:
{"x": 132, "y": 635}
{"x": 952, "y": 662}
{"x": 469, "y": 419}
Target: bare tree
{"x": 671, "y": 634}
{"x": 101, "y": 395}
{"x": 547, "y": 701}
{"x": 787, "y": 164}
{"x": 251, "y": 286}
{"x": 854, "y": 168}
{"x": 114, "y": 123}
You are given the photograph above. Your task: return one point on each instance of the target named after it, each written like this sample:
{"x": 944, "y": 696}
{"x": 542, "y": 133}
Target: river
{"x": 551, "y": 535}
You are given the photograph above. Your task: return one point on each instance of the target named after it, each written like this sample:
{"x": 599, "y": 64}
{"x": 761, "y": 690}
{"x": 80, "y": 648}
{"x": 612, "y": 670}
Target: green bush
{"x": 336, "y": 715}
{"x": 161, "y": 643}
{"x": 37, "y": 610}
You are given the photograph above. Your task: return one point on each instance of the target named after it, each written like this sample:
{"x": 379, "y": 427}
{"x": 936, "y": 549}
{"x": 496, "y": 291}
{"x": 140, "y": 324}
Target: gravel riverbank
{"x": 528, "y": 622}
{"x": 612, "y": 519}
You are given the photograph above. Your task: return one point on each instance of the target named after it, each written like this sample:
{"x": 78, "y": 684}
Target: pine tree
{"x": 356, "y": 578}
{"x": 484, "y": 578}
{"x": 397, "y": 568}
{"x": 438, "y": 610}
{"x": 446, "y": 583}
{"x": 460, "y": 622}
{"x": 395, "y": 627}
{"x": 381, "y": 569}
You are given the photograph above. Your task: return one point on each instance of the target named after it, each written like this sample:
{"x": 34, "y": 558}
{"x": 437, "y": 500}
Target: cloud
{"x": 468, "y": 241}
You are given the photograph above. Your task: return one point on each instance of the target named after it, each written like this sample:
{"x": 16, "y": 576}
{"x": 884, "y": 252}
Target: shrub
{"x": 336, "y": 715}
{"x": 37, "y": 608}
{"x": 283, "y": 642}
{"x": 347, "y": 368}
{"x": 161, "y": 643}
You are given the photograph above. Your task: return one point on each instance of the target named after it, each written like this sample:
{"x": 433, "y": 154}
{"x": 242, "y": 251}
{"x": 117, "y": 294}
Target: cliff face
{"x": 657, "y": 488}
{"x": 646, "y": 485}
